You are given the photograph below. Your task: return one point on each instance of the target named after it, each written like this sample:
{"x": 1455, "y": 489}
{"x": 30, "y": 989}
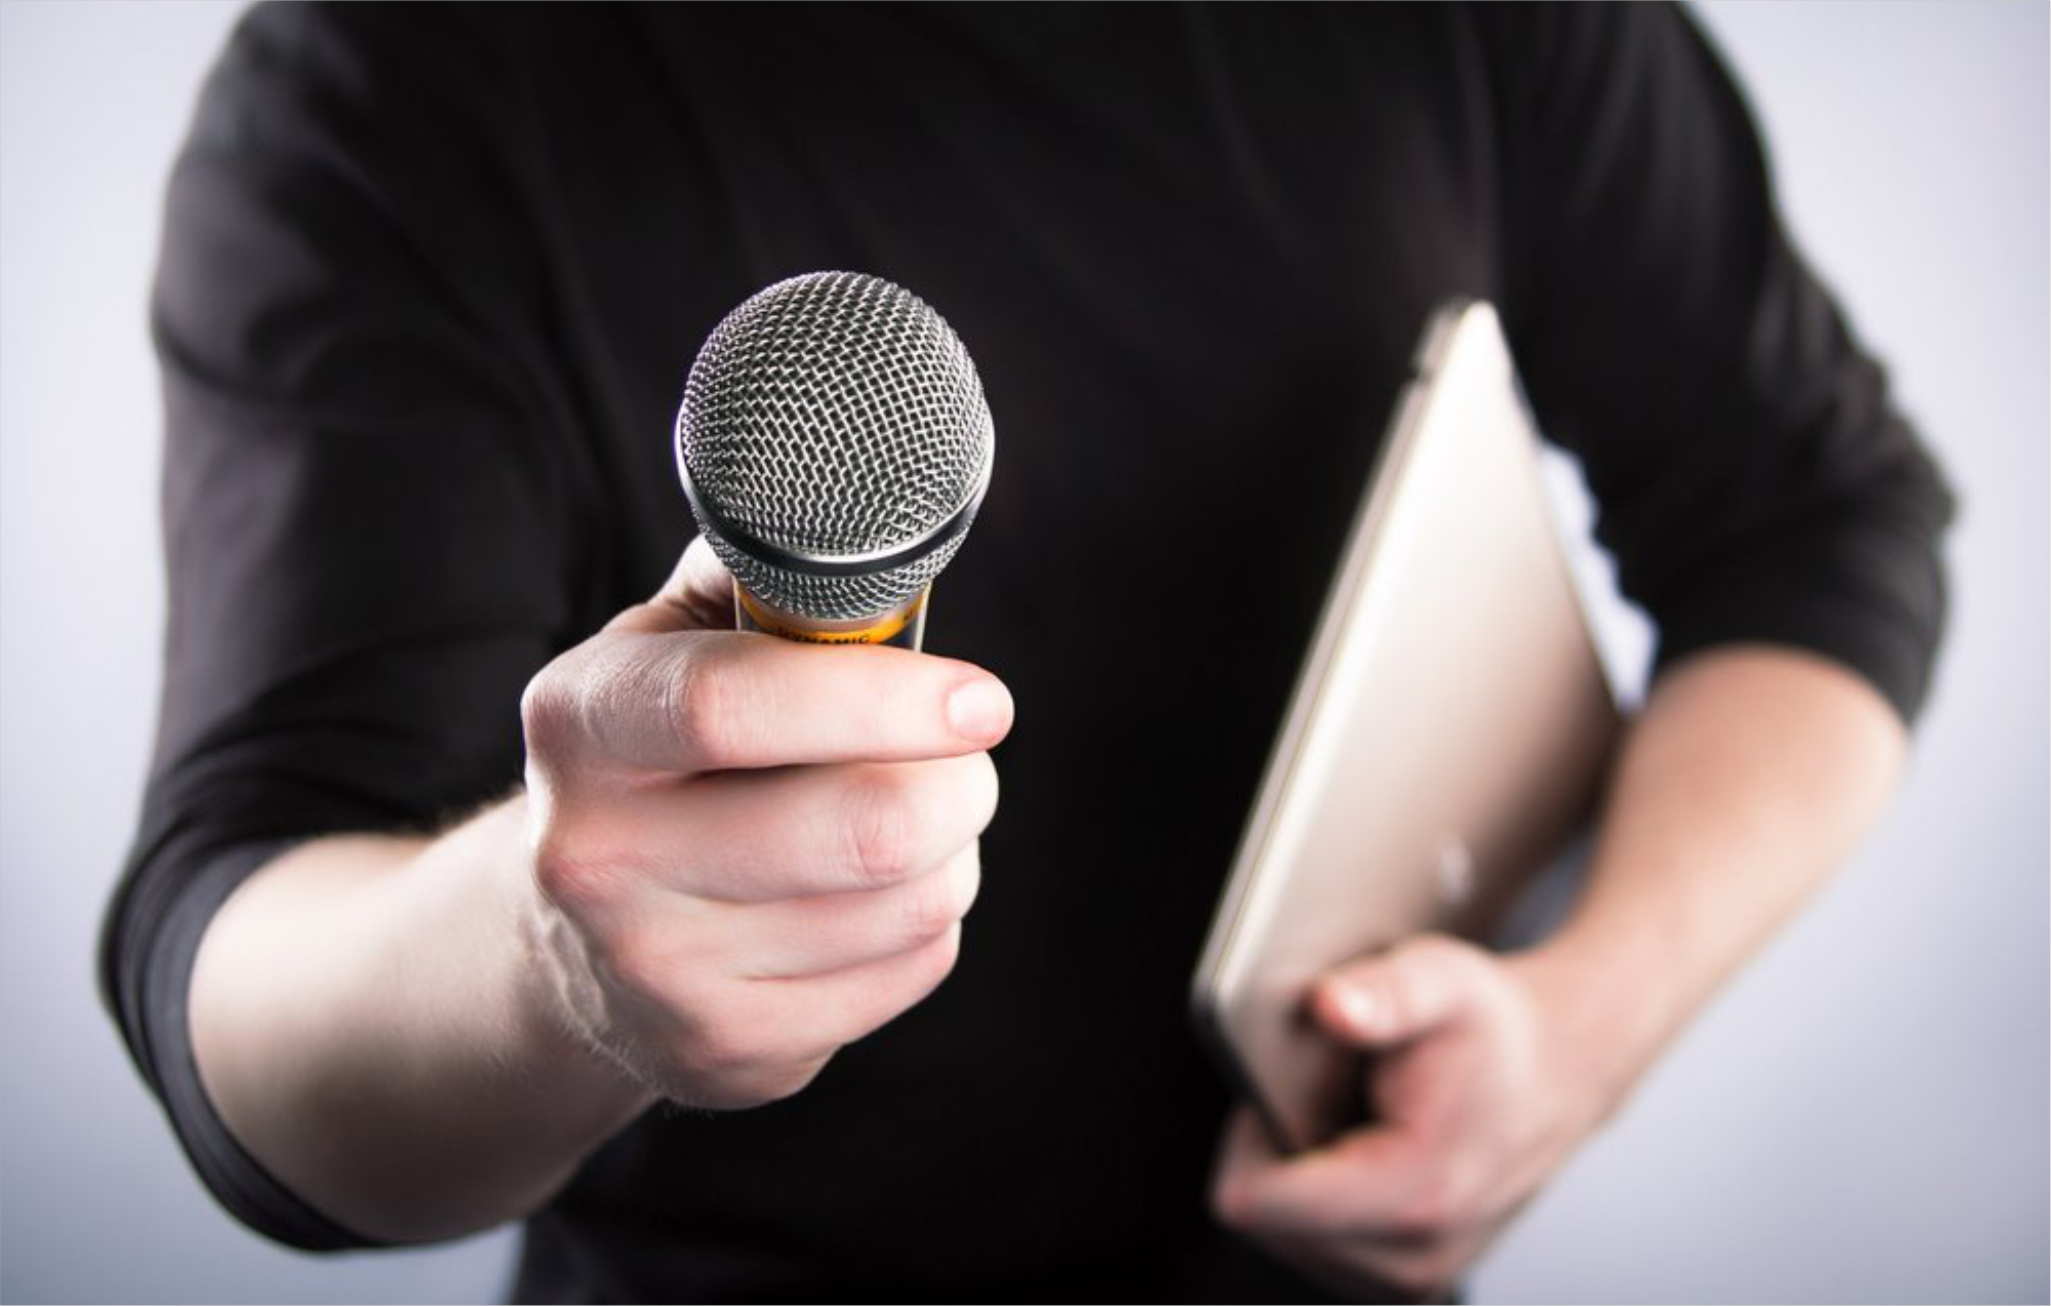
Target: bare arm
{"x": 1750, "y": 775}
{"x": 733, "y": 856}
{"x": 372, "y": 1018}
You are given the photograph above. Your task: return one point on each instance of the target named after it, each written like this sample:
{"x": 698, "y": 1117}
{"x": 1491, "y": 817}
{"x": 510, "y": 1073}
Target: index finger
{"x": 700, "y": 701}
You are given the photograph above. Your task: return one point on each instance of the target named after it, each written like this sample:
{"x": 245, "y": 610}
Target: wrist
{"x": 554, "y": 1022}
{"x": 1605, "y": 1010}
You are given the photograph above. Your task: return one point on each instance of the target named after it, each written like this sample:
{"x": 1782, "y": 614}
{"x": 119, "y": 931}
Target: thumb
{"x": 699, "y": 595}
{"x": 1395, "y": 996}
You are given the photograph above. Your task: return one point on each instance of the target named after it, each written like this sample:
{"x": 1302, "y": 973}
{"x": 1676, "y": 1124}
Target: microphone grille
{"x": 832, "y": 416}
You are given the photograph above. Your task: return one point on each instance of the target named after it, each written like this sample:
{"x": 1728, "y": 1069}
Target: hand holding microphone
{"x": 753, "y": 851}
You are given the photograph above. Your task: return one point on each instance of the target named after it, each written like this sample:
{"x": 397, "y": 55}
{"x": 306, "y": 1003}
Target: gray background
{"x": 1862, "y": 1115}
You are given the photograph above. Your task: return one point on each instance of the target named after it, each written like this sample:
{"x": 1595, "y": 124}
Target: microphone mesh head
{"x": 832, "y": 415}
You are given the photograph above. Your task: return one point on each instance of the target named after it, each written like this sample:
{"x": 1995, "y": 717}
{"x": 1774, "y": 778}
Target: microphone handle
{"x": 901, "y": 627}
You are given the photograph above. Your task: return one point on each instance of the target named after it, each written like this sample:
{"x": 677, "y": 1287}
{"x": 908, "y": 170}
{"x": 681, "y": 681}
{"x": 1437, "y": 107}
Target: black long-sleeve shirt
{"x": 430, "y": 282}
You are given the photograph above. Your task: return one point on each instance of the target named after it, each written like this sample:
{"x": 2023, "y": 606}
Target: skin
{"x": 732, "y": 856}
{"x": 1747, "y": 778}
{"x": 425, "y": 1037}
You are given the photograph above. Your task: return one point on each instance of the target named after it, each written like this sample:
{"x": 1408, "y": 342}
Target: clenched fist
{"x": 749, "y": 852}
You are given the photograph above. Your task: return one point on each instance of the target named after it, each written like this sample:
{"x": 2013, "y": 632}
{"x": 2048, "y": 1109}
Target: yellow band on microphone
{"x": 772, "y": 622}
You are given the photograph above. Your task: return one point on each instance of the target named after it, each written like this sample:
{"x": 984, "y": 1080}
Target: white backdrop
{"x": 1862, "y": 1117}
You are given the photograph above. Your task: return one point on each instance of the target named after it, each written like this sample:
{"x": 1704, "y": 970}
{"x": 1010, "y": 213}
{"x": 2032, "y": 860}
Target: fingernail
{"x": 979, "y": 709}
{"x": 1356, "y": 1005}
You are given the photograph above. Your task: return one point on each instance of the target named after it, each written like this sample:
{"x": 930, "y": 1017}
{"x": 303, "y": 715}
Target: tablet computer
{"x": 1448, "y": 734}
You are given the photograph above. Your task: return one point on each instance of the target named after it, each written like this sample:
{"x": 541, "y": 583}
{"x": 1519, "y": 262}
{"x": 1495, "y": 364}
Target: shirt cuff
{"x": 163, "y": 935}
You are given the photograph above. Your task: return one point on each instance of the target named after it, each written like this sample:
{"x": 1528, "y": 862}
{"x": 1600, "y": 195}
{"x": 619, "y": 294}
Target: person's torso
{"x": 1190, "y": 253}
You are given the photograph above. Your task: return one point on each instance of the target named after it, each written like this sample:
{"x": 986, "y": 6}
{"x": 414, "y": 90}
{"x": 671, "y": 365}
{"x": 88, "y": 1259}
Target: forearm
{"x": 375, "y": 1024}
{"x": 1749, "y": 776}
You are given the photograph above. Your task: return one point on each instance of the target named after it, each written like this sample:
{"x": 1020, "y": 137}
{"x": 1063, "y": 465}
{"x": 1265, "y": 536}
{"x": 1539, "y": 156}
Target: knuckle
{"x": 548, "y": 710}
{"x": 883, "y": 827}
{"x": 939, "y": 957}
{"x": 926, "y": 968}
{"x": 574, "y": 877}
{"x": 703, "y": 708}
{"x": 931, "y": 909}
{"x": 981, "y": 785}
{"x": 911, "y": 979}
{"x": 966, "y": 876}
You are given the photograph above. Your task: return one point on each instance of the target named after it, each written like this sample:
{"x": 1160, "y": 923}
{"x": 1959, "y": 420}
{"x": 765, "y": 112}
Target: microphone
{"x": 834, "y": 445}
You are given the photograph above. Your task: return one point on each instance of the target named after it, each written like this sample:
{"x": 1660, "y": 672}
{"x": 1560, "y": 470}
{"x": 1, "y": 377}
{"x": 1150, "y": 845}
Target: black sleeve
{"x": 1754, "y": 481}
{"x": 367, "y": 541}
